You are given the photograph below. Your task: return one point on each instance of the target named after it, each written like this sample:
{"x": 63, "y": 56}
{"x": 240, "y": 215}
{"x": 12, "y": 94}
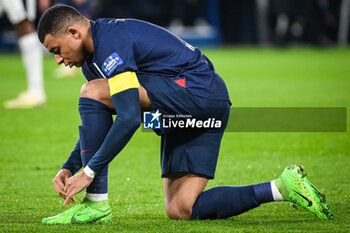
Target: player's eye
{"x": 55, "y": 51}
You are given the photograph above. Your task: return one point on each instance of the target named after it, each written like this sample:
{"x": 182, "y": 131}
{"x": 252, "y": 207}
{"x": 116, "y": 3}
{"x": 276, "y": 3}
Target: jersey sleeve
{"x": 119, "y": 66}
{"x": 74, "y": 162}
{"x": 116, "y": 50}
{"x": 117, "y": 56}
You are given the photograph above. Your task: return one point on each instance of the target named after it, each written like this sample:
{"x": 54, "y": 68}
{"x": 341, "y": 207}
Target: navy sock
{"x": 226, "y": 201}
{"x": 96, "y": 119}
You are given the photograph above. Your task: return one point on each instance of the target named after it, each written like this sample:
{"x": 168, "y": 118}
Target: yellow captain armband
{"x": 122, "y": 82}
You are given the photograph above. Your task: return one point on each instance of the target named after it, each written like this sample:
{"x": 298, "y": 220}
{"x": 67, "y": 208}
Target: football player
{"x": 131, "y": 64}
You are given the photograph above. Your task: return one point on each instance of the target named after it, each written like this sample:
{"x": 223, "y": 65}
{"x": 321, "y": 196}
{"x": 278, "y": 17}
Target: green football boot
{"x": 302, "y": 193}
{"x": 85, "y": 212}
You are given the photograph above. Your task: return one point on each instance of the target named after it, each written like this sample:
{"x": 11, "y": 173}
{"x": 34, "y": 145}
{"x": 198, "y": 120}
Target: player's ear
{"x": 73, "y": 32}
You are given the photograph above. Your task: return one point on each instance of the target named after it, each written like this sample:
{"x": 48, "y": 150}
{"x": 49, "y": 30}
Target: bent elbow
{"x": 132, "y": 123}
{"x": 135, "y": 123}
{"x": 130, "y": 119}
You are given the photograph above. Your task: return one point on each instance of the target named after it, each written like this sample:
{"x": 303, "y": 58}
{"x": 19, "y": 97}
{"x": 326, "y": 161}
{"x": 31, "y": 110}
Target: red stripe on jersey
{"x": 181, "y": 82}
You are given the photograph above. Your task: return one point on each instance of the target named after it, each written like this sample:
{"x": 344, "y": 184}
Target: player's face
{"x": 67, "y": 48}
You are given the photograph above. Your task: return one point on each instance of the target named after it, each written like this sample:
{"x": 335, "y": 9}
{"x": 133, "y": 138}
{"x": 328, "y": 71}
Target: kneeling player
{"x": 131, "y": 63}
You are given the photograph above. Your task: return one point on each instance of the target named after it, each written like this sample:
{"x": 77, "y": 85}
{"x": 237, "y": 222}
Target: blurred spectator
{"x": 312, "y": 21}
{"x": 330, "y": 17}
{"x": 154, "y": 11}
{"x": 188, "y": 12}
{"x": 21, "y": 17}
{"x": 238, "y": 19}
{"x": 85, "y": 7}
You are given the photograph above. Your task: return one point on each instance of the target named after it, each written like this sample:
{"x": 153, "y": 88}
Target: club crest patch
{"x": 111, "y": 63}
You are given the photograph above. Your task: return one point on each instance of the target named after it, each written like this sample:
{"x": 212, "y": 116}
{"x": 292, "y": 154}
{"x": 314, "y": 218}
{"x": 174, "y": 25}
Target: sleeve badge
{"x": 111, "y": 63}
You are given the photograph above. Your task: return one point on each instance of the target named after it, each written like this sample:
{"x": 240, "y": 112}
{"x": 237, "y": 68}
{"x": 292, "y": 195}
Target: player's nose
{"x": 58, "y": 59}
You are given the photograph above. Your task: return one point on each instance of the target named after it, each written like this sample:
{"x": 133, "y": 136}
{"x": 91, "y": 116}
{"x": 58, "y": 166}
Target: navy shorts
{"x": 190, "y": 151}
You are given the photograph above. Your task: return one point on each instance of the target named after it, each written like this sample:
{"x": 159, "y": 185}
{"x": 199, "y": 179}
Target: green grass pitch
{"x": 34, "y": 143}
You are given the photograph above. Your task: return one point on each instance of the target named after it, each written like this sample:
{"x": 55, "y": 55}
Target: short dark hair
{"x": 57, "y": 18}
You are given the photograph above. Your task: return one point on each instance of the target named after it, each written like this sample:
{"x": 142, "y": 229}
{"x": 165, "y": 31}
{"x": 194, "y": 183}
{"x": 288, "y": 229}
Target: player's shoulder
{"x": 109, "y": 31}
{"x": 109, "y": 34}
{"x": 113, "y": 25}
{"x": 117, "y": 34}
{"x": 104, "y": 25}
{"x": 109, "y": 23}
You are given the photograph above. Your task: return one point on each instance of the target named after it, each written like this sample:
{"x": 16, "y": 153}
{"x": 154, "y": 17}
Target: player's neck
{"x": 88, "y": 42}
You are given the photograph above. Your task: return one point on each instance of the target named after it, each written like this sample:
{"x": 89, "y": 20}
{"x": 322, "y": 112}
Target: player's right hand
{"x": 60, "y": 181}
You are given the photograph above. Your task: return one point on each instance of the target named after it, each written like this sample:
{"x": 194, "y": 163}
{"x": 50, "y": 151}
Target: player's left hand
{"x": 75, "y": 184}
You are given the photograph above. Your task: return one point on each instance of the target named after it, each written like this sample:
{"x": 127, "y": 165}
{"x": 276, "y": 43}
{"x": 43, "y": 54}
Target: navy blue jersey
{"x": 123, "y": 45}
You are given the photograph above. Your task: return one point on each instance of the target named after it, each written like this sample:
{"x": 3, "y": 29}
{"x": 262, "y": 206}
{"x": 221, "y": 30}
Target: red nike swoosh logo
{"x": 84, "y": 151}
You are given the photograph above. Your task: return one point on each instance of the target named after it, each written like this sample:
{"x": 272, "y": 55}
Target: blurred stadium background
{"x": 215, "y": 22}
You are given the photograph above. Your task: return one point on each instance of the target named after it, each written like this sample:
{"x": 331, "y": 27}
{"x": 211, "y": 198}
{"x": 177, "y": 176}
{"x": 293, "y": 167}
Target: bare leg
{"x": 98, "y": 89}
{"x": 31, "y": 53}
{"x": 181, "y": 191}
{"x": 24, "y": 28}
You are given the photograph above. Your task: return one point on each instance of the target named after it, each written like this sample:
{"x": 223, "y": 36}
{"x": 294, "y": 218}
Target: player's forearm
{"x": 127, "y": 105}
{"x": 74, "y": 162}
{"x": 113, "y": 144}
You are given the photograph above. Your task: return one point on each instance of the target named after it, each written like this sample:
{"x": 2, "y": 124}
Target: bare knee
{"x": 176, "y": 210}
{"x": 98, "y": 90}
{"x": 92, "y": 89}
{"x": 181, "y": 191}
{"x": 24, "y": 28}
